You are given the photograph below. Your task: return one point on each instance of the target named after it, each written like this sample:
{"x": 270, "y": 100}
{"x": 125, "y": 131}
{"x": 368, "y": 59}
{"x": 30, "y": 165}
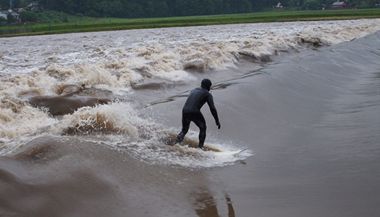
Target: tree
{"x": 3, "y": 20}
{"x": 28, "y": 16}
{"x": 11, "y": 19}
{"x": 312, "y": 5}
{"x": 160, "y": 8}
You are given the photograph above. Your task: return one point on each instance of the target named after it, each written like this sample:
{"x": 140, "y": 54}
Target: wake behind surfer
{"x": 191, "y": 111}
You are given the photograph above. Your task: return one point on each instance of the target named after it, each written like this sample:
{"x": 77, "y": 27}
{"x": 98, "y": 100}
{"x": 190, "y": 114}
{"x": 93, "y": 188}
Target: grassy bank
{"x": 86, "y": 24}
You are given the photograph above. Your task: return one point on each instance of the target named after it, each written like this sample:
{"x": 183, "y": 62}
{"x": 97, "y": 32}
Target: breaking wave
{"x": 119, "y": 63}
{"x": 167, "y": 54}
{"x": 120, "y": 127}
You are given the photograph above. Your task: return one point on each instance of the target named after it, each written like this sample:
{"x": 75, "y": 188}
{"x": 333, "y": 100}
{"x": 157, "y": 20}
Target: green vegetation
{"x": 46, "y": 17}
{"x": 170, "y": 8}
{"x": 86, "y": 24}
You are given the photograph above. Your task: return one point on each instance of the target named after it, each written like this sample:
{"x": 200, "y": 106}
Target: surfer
{"x": 191, "y": 111}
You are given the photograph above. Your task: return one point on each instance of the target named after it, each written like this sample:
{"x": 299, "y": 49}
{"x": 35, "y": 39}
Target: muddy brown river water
{"x": 300, "y": 124}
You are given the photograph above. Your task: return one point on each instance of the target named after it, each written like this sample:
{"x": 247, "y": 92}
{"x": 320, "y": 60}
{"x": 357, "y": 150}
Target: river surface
{"x": 85, "y": 117}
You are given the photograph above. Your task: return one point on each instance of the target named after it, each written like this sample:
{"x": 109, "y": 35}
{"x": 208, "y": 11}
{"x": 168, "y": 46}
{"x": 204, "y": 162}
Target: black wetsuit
{"x": 192, "y": 112}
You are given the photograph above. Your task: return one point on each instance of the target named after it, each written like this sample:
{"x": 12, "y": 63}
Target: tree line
{"x": 167, "y": 8}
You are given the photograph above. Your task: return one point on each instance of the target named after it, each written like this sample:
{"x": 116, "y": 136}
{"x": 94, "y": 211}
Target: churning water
{"x": 84, "y": 119}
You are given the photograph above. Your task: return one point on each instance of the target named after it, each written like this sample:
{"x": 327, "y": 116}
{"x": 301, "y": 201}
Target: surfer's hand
{"x": 218, "y": 124}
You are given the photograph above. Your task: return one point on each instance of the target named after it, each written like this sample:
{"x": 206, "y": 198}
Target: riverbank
{"x": 107, "y": 24}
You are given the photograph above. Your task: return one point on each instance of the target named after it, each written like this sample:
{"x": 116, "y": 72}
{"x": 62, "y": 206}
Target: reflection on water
{"x": 206, "y": 206}
{"x": 231, "y": 211}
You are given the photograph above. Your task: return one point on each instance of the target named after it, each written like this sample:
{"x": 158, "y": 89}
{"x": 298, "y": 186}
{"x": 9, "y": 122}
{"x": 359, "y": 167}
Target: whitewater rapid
{"x": 123, "y": 61}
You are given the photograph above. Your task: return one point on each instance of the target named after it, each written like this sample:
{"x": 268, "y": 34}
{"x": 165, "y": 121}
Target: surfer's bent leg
{"x": 199, "y": 120}
{"x": 185, "y": 127}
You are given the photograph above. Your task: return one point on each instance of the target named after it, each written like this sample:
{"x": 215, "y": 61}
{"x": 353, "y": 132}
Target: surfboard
{"x": 171, "y": 139}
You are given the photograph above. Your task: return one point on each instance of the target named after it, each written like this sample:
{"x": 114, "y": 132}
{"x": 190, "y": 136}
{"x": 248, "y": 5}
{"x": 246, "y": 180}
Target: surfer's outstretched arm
{"x": 210, "y": 102}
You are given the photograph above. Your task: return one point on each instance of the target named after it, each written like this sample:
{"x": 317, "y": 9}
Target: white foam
{"x": 165, "y": 54}
{"x": 117, "y": 60}
{"x": 23, "y": 122}
{"x": 125, "y": 130}
{"x": 158, "y": 153}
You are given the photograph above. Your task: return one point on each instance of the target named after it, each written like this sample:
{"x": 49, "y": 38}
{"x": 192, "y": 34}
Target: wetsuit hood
{"x": 206, "y": 84}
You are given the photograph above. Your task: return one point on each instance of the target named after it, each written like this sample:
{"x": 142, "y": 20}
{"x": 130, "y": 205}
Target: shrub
{"x": 28, "y": 16}
{"x": 11, "y": 19}
{"x": 312, "y": 5}
{"x": 3, "y": 20}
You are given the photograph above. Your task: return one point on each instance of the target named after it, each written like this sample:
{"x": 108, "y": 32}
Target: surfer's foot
{"x": 179, "y": 139}
{"x": 203, "y": 148}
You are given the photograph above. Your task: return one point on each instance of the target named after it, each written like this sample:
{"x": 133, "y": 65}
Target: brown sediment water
{"x": 312, "y": 120}
{"x": 299, "y": 134}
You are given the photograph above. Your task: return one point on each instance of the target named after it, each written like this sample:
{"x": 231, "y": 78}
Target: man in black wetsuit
{"x": 192, "y": 111}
